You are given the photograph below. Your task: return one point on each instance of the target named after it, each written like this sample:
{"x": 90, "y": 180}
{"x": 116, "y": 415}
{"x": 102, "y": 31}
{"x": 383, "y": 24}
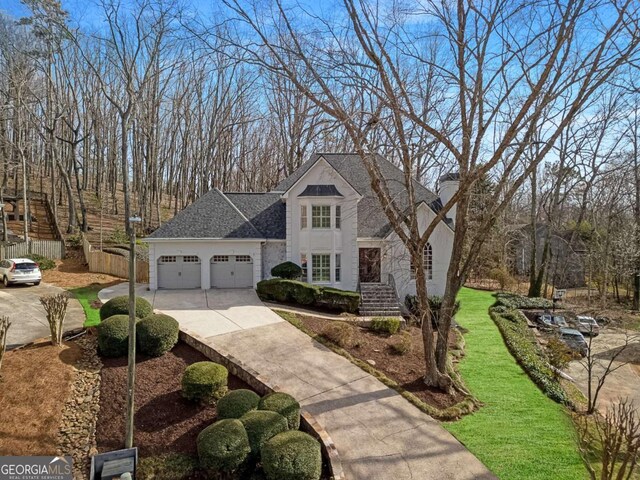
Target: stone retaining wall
{"x": 263, "y": 386}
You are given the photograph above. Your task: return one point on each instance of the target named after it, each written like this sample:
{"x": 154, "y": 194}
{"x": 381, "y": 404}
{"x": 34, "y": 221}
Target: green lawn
{"x": 86, "y": 296}
{"x": 519, "y": 433}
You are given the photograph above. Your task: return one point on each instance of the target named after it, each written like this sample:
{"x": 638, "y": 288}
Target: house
{"x": 325, "y": 217}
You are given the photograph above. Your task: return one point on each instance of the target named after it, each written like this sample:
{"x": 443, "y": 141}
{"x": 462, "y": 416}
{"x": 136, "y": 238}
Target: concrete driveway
{"x": 207, "y": 312}
{"x": 21, "y": 303}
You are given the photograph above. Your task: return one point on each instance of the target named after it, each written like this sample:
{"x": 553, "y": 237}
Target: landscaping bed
{"x": 164, "y": 420}
{"x": 406, "y": 369}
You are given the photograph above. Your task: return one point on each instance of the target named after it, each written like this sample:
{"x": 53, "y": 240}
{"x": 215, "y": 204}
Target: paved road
{"x": 624, "y": 382}
{"x": 213, "y": 312}
{"x": 28, "y": 321}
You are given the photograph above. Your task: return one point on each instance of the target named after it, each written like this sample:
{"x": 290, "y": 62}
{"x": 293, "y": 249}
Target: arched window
{"x": 427, "y": 263}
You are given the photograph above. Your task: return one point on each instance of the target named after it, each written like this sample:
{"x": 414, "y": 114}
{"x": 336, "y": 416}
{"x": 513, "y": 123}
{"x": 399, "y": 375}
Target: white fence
{"x": 53, "y": 249}
{"x": 116, "y": 265}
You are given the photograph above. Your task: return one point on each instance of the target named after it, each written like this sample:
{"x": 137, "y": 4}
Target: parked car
{"x": 559, "y": 321}
{"x": 573, "y": 339}
{"x": 587, "y": 325}
{"x": 19, "y": 270}
{"x": 544, "y": 321}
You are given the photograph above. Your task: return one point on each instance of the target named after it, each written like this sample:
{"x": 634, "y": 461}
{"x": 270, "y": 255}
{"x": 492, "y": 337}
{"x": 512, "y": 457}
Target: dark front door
{"x": 369, "y": 259}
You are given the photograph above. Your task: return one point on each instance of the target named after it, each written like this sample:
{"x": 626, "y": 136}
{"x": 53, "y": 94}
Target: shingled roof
{"x": 233, "y": 215}
{"x": 372, "y": 221}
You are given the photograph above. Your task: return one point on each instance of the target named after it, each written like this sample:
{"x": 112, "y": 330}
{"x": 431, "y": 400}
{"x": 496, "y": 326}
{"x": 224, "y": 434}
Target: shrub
{"x": 340, "y": 333}
{"x": 44, "y": 263}
{"x": 403, "y": 344}
{"x": 287, "y": 270}
{"x": 285, "y": 405}
{"x": 120, "y": 306}
{"x": 113, "y": 336}
{"x": 385, "y": 325}
{"x": 559, "y": 354}
{"x": 292, "y": 455}
{"x": 157, "y": 334}
{"x": 513, "y": 300}
{"x": 204, "y": 381}
{"x": 283, "y": 290}
{"x": 523, "y": 346}
{"x": 261, "y": 425}
{"x": 223, "y": 446}
{"x": 502, "y": 276}
{"x": 336, "y": 299}
{"x": 236, "y": 403}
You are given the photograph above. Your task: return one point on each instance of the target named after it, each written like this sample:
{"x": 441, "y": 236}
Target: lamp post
{"x": 131, "y": 372}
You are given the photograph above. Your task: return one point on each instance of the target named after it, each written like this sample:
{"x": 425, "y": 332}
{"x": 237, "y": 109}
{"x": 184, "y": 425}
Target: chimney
{"x": 447, "y": 187}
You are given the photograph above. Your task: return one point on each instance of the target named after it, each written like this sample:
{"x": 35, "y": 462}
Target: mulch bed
{"x": 164, "y": 421}
{"x": 407, "y": 370}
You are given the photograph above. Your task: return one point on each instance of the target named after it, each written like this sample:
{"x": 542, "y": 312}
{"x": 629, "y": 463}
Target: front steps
{"x": 378, "y": 300}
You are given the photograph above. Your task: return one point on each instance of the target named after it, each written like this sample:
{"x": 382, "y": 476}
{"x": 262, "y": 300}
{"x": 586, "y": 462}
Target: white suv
{"x": 19, "y": 270}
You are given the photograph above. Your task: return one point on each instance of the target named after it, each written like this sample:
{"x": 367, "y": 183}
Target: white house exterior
{"x": 324, "y": 217}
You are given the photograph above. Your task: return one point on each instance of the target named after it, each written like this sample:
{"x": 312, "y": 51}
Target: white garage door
{"x": 179, "y": 271}
{"x": 231, "y": 271}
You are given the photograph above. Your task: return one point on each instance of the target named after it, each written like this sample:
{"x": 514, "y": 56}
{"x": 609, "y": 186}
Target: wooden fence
{"x": 53, "y": 249}
{"x": 116, "y": 265}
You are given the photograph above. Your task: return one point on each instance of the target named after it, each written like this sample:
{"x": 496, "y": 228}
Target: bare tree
{"x": 55, "y": 307}
{"x": 4, "y": 329}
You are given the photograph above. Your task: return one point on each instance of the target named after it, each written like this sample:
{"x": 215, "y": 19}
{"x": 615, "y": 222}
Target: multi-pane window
{"x": 338, "y": 215}
{"x": 303, "y": 265}
{"x": 168, "y": 258}
{"x": 220, "y": 258}
{"x": 337, "y": 267}
{"x": 321, "y": 268}
{"x": 243, "y": 258}
{"x": 321, "y": 216}
{"x": 427, "y": 263}
{"x": 191, "y": 259}
{"x": 303, "y": 216}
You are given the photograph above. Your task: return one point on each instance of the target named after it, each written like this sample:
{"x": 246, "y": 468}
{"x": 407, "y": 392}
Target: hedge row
{"x": 283, "y": 290}
{"x": 522, "y": 344}
{"x": 513, "y": 300}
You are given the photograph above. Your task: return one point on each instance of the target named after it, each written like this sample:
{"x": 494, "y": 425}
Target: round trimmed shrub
{"x": 223, "y": 446}
{"x": 120, "y": 306}
{"x": 292, "y": 455}
{"x": 113, "y": 336}
{"x": 285, "y": 405}
{"x": 157, "y": 334}
{"x": 204, "y": 381}
{"x": 237, "y": 402}
{"x": 287, "y": 270}
{"x": 261, "y": 425}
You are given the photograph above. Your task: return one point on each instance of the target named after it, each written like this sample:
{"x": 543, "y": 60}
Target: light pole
{"x": 131, "y": 372}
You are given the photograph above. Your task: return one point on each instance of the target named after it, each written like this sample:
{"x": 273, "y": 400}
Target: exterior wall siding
{"x": 273, "y": 253}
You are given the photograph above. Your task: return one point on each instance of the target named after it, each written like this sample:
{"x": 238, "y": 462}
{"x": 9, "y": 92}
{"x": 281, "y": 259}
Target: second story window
{"x": 338, "y": 215}
{"x": 303, "y": 216}
{"x": 321, "y": 216}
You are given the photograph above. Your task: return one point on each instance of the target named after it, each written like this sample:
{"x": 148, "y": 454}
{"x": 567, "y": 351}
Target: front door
{"x": 369, "y": 260}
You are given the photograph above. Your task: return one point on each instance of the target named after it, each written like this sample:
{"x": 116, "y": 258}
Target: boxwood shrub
{"x": 388, "y": 325}
{"x": 44, "y": 263}
{"x": 237, "y": 402}
{"x": 157, "y": 334}
{"x": 284, "y": 290}
{"x": 285, "y": 405}
{"x": 287, "y": 270}
{"x": 204, "y": 381}
{"x": 113, "y": 336}
{"x": 292, "y": 455}
{"x": 223, "y": 446}
{"x": 120, "y": 306}
{"x": 522, "y": 344}
{"x": 261, "y": 425}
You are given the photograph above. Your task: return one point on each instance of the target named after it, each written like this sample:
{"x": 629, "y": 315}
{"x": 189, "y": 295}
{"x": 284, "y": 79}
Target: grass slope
{"x": 518, "y": 433}
{"x": 87, "y": 296}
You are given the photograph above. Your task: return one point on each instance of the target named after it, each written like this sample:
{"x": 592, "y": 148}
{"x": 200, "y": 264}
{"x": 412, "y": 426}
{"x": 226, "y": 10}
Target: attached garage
{"x": 231, "y": 271}
{"x": 179, "y": 271}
